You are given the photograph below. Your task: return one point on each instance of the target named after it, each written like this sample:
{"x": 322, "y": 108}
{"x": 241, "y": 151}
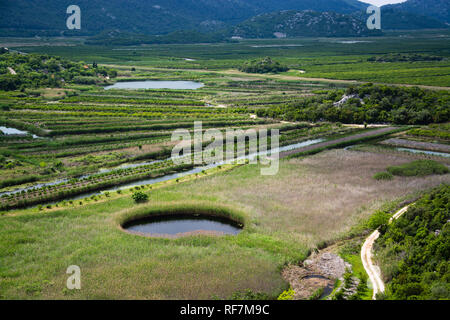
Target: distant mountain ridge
{"x": 157, "y": 17}
{"x": 438, "y": 9}
{"x": 305, "y": 23}
{"x": 149, "y": 16}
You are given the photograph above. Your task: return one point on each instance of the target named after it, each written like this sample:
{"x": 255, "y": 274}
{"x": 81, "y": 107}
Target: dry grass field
{"x": 316, "y": 198}
{"x": 312, "y": 199}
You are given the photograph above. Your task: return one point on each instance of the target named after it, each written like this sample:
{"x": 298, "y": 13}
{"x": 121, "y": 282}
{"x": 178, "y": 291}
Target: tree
{"x": 139, "y": 197}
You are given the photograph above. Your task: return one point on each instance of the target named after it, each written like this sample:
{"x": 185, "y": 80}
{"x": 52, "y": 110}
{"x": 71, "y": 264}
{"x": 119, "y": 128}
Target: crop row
{"x": 80, "y": 186}
{"x": 112, "y": 100}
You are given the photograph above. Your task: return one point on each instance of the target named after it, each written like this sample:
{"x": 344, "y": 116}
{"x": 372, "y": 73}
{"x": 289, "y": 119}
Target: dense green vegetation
{"x": 398, "y": 57}
{"x": 369, "y": 103}
{"x": 338, "y": 58}
{"x": 418, "y": 168}
{"x": 435, "y": 8}
{"x": 139, "y": 197}
{"x": 292, "y": 23}
{"x": 265, "y": 65}
{"x": 20, "y": 71}
{"x": 383, "y": 176}
{"x": 437, "y": 131}
{"x": 415, "y": 249}
{"x": 116, "y": 38}
{"x": 147, "y": 17}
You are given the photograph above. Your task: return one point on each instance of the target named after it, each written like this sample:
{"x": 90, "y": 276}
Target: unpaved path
{"x": 339, "y": 140}
{"x": 366, "y": 256}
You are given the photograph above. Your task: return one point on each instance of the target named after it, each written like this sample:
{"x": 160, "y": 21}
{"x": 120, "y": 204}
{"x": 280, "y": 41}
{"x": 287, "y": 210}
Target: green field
{"x": 59, "y": 203}
{"x": 332, "y": 58}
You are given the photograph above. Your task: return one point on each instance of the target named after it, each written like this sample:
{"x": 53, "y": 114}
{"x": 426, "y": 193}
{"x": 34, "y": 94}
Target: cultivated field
{"x": 60, "y": 197}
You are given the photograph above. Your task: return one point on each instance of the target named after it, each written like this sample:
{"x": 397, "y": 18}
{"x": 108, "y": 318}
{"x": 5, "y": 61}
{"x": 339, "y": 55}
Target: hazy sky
{"x": 382, "y": 2}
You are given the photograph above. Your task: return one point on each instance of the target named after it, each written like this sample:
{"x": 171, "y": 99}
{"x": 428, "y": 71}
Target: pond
{"x": 156, "y": 84}
{"x": 182, "y": 225}
{"x": 14, "y": 131}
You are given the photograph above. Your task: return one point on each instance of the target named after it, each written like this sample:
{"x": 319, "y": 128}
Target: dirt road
{"x": 366, "y": 256}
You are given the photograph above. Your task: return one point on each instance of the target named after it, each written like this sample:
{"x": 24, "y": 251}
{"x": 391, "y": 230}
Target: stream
{"x": 150, "y": 181}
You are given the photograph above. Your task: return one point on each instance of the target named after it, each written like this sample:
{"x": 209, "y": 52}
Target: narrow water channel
{"x": 151, "y": 181}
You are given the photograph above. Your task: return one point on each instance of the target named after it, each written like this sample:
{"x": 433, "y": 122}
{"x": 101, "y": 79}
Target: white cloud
{"x": 382, "y": 2}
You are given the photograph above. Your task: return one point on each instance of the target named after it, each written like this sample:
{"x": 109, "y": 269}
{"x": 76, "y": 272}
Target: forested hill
{"x": 438, "y": 9}
{"x": 303, "y": 24}
{"x": 156, "y": 17}
{"x": 148, "y": 16}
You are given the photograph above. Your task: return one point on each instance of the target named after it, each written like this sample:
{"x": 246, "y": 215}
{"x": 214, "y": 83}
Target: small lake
{"x": 177, "y": 225}
{"x": 14, "y": 131}
{"x": 156, "y": 84}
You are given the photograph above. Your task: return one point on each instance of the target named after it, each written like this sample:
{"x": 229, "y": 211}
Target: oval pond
{"x": 156, "y": 84}
{"x": 179, "y": 225}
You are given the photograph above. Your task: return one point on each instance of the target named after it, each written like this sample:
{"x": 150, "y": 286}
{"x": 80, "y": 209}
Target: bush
{"x": 414, "y": 249}
{"x": 287, "y": 295}
{"x": 383, "y": 176}
{"x": 377, "y": 219}
{"x": 264, "y": 65}
{"x": 249, "y": 295}
{"x": 316, "y": 295}
{"x": 139, "y": 197}
{"x": 418, "y": 168}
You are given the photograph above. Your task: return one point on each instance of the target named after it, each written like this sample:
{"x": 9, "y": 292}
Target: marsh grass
{"x": 314, "y": 199}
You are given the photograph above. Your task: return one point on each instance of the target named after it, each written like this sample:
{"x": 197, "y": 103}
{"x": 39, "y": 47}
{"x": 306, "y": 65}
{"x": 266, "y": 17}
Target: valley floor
{"x": 313, "y": 199}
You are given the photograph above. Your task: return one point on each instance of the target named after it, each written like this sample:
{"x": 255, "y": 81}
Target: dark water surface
{"x": 177, "y": 224}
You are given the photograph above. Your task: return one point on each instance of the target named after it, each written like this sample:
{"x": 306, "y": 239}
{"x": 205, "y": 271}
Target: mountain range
{"x": 438, "y": 9}
{"x": 157, "y": 17}
{"x": 304, "y": 23}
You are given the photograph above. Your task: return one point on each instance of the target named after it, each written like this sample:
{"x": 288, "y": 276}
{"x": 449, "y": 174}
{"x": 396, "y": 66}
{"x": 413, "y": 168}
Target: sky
{"x": 382, "y": 2}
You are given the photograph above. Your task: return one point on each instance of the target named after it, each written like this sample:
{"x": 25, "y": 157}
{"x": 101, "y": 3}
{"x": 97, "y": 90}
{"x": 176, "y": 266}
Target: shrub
{"x": 287, "y": 295}
{"x": 264, "y": 65}
{"x": 377, "y": 219}
{"x": 139, "y": 197}
{"x": 316, "y": 294}
{"x": 413, "y": 250}
{"x": 383, "y": 176}
{"x": 418, "y": 168}
{"x": 339, "y": 295}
